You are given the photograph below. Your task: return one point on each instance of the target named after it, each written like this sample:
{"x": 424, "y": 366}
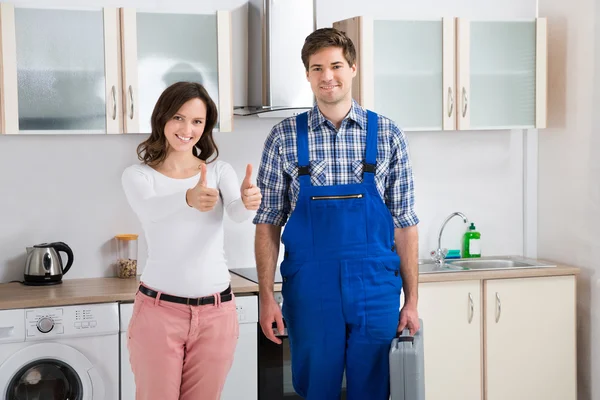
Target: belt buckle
{"x": 196, "y": 300}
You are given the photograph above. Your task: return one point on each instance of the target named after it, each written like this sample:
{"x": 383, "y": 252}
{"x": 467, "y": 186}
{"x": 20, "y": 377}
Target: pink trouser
{"x": 181, "y": 352}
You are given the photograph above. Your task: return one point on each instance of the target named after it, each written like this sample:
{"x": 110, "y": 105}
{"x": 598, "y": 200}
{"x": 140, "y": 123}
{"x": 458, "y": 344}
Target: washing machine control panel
{"x": 247, "y": 309}
{"x": 44, "y": 321}
{"x": 92, "y": 319}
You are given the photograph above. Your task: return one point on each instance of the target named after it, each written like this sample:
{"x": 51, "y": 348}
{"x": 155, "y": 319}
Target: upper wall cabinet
{"x": 159, "y": 49}
{"x": 451, "y": 73}
{"x": 102, "y": 70}
{"x": 60, "y": 70}
{"x": 403, "y": 70}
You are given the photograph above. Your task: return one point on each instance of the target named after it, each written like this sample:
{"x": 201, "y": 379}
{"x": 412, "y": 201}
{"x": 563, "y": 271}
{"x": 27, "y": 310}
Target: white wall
{"x": 569, "y": 167}
{"x": 67, "y": 187}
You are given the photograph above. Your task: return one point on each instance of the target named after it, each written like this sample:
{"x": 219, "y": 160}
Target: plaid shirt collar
{"x": 356, "y": 114}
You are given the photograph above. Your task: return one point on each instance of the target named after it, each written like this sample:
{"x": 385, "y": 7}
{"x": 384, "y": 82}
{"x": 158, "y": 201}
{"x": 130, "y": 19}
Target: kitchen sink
{"x": 482, "y": 264}
{"x": 431, "y": 267}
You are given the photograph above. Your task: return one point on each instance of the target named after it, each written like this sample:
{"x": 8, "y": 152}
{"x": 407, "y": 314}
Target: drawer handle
{"x": 114, "y": 100}
{"x": 498, "y": 307}
{"x": 131, "y": 102}
{"x": 471, "y": 308}
{"x": 465, "y": 102}
{"x": 450, "y": 102}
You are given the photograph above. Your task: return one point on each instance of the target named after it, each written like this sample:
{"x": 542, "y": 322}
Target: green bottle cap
{"x": 472, "y": 227}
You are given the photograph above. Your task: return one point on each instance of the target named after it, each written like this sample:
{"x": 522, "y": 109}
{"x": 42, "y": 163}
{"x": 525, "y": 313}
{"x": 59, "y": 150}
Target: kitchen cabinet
{"x": 60, "y": 70}
{"x": 101, "y": 70}
{"x": 500, "y": 339}
{"x": 530, "y": 329}
{"x": 452, "y": 73}
{"x": 160, "y": 48}
{"x": 452, "y": 315}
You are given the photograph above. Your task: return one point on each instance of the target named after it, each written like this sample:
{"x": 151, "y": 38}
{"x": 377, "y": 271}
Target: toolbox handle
{"x": 405, "y": 336}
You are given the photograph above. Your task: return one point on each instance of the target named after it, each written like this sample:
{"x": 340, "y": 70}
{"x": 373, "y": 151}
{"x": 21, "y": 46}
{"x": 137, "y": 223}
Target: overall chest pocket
{"x": 339, "y": 220}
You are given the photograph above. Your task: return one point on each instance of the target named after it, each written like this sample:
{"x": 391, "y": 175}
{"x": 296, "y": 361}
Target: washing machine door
{"x": 50, "y": 371}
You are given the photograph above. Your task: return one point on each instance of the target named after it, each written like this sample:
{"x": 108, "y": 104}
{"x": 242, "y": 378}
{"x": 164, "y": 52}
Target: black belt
{"x": 226, "y": 295}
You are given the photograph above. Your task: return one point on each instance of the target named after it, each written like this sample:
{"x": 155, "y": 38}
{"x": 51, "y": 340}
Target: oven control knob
{"x": 45, "y": 325}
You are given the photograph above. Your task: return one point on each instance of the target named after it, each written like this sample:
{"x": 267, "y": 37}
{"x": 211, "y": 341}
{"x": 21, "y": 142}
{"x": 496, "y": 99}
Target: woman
{"x": 184, "y": 327}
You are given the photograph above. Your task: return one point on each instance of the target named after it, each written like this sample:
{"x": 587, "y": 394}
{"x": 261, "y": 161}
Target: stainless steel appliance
{"x": 44, "y": 265}
{"x": 274, "y": 361}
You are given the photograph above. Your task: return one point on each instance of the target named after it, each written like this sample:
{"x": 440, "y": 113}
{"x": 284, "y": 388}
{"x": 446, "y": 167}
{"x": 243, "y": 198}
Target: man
{"x": 342, "y": 181}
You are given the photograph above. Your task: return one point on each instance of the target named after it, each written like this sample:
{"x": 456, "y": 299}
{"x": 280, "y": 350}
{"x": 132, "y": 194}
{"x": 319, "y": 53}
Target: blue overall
{"x": 341, "y": 282}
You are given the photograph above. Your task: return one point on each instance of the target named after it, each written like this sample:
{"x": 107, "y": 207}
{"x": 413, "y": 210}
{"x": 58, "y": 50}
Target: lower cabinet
{"x": 451, "y": 314}
{"x": 500, "y": 339}
{"x": 530, "y": 346}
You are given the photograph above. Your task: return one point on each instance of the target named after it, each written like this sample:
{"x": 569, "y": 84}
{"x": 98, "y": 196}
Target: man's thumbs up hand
{"x": 201, "y": 197}
{"x": 251, "y": 196}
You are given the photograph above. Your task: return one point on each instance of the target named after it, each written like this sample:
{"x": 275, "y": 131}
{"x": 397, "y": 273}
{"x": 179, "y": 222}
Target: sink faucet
{"x": 439, "y": 254}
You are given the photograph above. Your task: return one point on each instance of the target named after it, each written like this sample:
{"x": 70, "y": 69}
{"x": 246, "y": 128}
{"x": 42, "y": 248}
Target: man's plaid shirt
{"x": 336, "y": 158}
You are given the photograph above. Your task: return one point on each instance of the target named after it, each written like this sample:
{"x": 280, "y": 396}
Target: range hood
{"x": 277, "y": 85}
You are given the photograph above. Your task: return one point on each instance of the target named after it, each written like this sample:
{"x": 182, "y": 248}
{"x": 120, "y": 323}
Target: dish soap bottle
{"x": 471, "y": 243}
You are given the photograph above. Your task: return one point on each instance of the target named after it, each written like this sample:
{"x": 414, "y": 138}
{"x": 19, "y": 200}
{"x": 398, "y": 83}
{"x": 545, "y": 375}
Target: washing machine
{"x": 127, "y": 382}
{"x": 242, "y": 381}
{"x": 56, "y": 353}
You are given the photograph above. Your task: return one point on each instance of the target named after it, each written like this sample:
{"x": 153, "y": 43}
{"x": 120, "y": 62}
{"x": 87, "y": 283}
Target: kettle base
{"x": 35, "y": 280}
{"x": 47, "y": 283}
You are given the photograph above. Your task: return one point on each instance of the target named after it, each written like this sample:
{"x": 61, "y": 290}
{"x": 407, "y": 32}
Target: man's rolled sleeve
{"x": 400, "y": 186}
{"x": 273, "y": 183}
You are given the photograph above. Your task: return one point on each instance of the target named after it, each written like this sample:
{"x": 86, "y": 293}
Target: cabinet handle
{"x": 471, "y": 308}
{"x": 131, "y": 102}
{"x": 450, "y": 102}
{"x": 465, "y": 102}
{"x": 498, "y": 307}
{"x": 113, "y": 92}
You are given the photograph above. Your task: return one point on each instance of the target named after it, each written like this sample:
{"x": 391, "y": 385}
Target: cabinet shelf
{"x": 504, "y": 73}
{"x": 409, "y": 73}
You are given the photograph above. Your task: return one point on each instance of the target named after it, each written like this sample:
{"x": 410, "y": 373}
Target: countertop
{"x": 85, "y": 291}
{"x": 104, "y": 290}
{"x": 558, "y": 270}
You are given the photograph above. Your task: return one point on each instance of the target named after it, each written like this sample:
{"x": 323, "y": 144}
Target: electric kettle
{"x": 44, "y": 265}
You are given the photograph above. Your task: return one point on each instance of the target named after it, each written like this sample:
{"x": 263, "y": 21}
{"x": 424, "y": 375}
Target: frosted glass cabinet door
{"x": 408, "y": 72}
{"x": 67, "y": 68}
{"x": 498, "y": 67}
{"x": 164, "y": 48}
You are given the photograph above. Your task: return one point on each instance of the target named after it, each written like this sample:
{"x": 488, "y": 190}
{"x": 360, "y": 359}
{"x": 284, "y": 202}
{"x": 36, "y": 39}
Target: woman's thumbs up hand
{"x": 201, "y": 197}
{"x": 251, "y": 196}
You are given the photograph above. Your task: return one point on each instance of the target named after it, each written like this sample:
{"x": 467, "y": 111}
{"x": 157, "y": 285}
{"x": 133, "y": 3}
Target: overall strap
{"x": 370, "y": 162}
{"x": 302, "y": 148}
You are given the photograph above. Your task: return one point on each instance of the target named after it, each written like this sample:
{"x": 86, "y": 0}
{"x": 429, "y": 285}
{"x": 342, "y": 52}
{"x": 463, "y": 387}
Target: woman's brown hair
{"x": 153, "y": 150}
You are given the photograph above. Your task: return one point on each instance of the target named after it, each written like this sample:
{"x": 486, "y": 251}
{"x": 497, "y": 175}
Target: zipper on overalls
{"x": 341, "y": 197}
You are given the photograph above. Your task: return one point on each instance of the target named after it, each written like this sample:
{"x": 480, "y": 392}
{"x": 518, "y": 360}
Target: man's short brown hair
{"x": 328, "y": 37}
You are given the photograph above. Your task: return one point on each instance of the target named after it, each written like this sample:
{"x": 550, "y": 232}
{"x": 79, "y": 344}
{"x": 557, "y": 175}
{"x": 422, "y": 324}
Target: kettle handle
{"x": 62, "y": 246}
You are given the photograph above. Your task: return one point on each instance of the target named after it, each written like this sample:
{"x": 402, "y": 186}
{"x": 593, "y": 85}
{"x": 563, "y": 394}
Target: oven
{"x": 274, "y": 363}
{"x": 275, "y": 367}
